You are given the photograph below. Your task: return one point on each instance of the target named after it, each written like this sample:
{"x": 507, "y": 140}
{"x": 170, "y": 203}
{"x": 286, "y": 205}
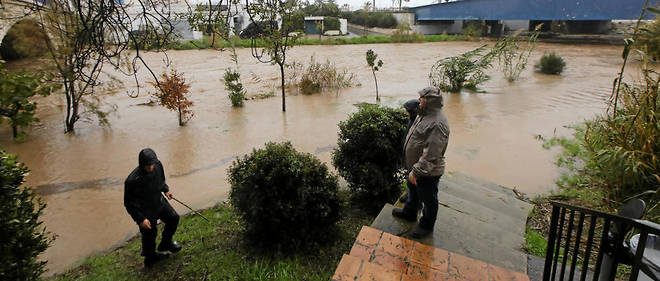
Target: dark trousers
{"x": 171, "y": 219}
{"x": 426, "y": 191}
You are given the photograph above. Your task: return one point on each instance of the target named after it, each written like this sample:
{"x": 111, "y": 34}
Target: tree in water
{"x": 16, "y": 90}
{"x": 88, "y": 34}
{"x": 375, "y": 66}
{"x": 267, "y": 14}
{"x": 172, "y": 92}
{"x": 512, "y": 56}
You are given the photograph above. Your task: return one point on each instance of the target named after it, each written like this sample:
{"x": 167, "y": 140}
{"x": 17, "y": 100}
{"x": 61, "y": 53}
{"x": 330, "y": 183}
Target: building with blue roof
{"x": 572, "y": 16}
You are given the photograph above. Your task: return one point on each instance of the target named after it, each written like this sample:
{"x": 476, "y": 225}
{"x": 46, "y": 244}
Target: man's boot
{"x": 401, "y": 213}
{"x": 169, "y": 247}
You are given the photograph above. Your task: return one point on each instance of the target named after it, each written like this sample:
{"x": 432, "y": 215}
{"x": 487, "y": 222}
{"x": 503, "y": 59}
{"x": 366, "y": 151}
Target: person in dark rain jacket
{"x": 411, "y": 107}
{"x": 144, "y": 201}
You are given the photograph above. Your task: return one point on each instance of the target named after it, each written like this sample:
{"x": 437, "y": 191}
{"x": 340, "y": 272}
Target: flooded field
{"x": 493, "y": 134}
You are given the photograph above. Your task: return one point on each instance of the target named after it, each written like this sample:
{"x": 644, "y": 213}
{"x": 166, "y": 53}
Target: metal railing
{"x": 588, "y": 240}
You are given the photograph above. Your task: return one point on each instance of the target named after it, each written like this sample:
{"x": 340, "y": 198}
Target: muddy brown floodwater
{"x": 81, "y": 175}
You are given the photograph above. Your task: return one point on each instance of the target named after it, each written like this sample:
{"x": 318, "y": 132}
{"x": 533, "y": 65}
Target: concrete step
{"x": 476, "y": 218}
{"x": 378, "y": 255}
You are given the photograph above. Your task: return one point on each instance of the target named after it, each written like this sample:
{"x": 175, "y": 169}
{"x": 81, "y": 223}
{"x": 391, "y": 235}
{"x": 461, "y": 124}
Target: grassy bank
{"x": 371, "y": 39}
{"x": 216, "y": 251}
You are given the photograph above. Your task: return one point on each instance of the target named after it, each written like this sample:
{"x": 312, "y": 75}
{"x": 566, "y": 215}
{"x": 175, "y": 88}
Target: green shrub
{"x": 369, "y": 154}
{"x": 386, "y": 21}
{"x": 473, "y": 29}
{"x": 234, "y": 86}
{"x": 649, "y": 39}
{"x": 331, "y": 23}
{"x": 404, "y": 33}
{"x": 551, "y": 64}
{"x": 287, "y": 199}
{"x": 24, "y": 238}
{"x": 619, "y": 154}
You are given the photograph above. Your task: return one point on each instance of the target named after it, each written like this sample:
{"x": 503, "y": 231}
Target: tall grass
{"x": 619, "y": 153}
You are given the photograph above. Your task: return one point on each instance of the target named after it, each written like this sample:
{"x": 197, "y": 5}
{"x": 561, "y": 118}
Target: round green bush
{"x": 287, "y": 199}
{"x": 24, "y": 236}
{"x": 369, "y": 155}
{"x": 551, "y": 64}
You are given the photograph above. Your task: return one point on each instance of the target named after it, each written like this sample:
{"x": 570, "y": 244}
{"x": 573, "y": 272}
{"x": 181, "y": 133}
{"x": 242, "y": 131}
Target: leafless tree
{"x": 275, "y": 40}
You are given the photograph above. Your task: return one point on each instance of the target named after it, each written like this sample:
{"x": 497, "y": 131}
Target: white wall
{"x": 408, "y": 18}
{"x": 343, "y": 26}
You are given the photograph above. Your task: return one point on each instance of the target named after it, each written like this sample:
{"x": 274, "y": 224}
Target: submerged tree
{"x": 268, "y": 14}
{"x": 512, "y": 56}
{"x": 172, "y": 92}
{"x": 16, "y": 90}
{"x": 375, "y": 66}
{"x": 88, "y": 34}
{"x": 466, "y": 70}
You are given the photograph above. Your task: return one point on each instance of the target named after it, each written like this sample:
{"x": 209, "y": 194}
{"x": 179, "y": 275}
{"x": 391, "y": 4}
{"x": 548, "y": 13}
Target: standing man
{"x": 145, "y": 203}
{"x": 424, "y": 150}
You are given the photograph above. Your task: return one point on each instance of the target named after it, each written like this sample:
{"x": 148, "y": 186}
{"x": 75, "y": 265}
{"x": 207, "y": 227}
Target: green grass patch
{"x": 535, "y": 243}
{"x": 216, "y": 251}
{"x": 371, "y": 39}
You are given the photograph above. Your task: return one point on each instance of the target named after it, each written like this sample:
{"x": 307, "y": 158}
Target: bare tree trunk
{"x": 377, "y": 98}
{"x": 282, "y": 75}
{"x": 14, "y": 130}
{"x": 180, "y": 117}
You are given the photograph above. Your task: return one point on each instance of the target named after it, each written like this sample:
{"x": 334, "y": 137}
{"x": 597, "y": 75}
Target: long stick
{"x": 196, "y": 212}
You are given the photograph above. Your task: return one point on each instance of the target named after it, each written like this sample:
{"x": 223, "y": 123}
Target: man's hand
{"x": 169, "y": 195}
{"x": 412, "y": 178}
{"x": 145, "y": 224}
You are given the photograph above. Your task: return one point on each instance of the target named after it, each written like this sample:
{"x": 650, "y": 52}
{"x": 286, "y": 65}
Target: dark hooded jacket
{"x": 142, "y": 190}
{"x": 428, "y": 137}
{"x": 412, "y": 106}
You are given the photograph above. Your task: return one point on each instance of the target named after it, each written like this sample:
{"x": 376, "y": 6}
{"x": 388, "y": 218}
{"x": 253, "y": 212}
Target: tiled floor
{"x": 380, "y": 256}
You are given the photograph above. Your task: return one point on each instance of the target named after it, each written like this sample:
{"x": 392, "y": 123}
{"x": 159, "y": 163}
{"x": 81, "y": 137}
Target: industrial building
{"x": 500, "y": 16}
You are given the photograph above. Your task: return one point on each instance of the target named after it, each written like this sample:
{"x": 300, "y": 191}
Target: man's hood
{"x": 147, "y": 157}
{"x": 434, "y": 100}
{"x": 412, "y": 106}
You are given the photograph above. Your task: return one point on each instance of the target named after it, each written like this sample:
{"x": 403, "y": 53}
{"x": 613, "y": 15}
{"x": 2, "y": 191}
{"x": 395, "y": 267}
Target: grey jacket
{"x": 427, "y": 140}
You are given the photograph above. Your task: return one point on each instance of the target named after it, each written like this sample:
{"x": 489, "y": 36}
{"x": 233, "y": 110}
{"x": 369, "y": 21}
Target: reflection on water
{"x": 493, "y": 134}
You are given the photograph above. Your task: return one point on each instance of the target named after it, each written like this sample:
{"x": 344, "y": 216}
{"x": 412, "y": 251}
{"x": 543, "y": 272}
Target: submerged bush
{"x": 24, "y": 237}
{"x": 551, "y": 64}
{"x": 466, "y": 70}
{"x": 317, "y": 77}
{"x": 287, "y": 199}
{"x": 369, "y": 154}
{"x": 234, "y": 86}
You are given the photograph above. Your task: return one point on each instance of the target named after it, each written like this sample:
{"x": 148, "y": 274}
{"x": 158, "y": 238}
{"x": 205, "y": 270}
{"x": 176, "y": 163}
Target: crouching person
{"x": 145, "y": 203}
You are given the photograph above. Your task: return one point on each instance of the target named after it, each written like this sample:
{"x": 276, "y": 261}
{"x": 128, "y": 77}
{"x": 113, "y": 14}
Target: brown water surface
{"x": 81, "y": 175}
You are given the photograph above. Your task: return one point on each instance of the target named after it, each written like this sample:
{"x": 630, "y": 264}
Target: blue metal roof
{"x": 533, "y": 10}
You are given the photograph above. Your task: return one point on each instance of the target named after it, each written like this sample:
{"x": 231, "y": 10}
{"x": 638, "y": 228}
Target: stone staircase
{"x": 478, "y": 235}
{"x": 380, "y": 256}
